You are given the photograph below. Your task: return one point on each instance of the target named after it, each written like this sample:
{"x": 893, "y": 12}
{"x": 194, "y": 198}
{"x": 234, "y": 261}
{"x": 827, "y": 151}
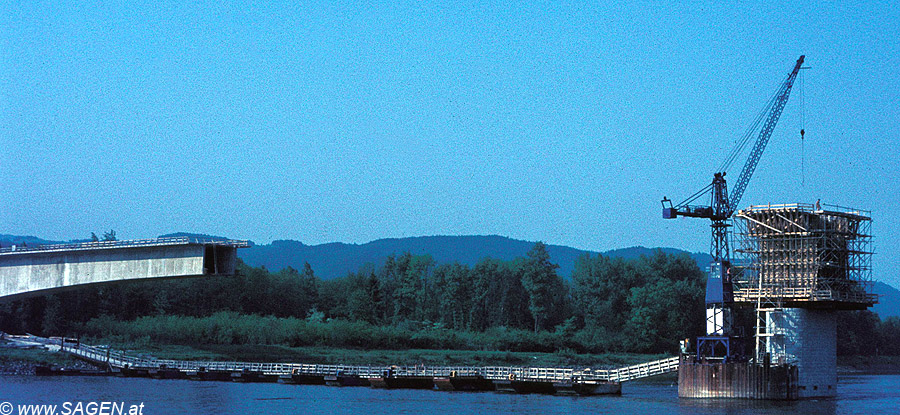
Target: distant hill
{"x": 337, "y": 259}
{"x": 888, "y": 300}
{"x": 333, "y": 260}
{"x": 9, "y": 240}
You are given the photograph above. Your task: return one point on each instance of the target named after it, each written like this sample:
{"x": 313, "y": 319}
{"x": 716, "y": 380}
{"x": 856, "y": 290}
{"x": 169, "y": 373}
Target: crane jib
{"x": 721, "y": 206}
{"x": 763, "y": 139}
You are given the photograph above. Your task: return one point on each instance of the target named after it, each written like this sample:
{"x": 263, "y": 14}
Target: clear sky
{"x": 321, "y": 122}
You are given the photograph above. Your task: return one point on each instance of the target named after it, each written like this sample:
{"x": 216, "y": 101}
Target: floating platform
{"x": 524, "y": 386}
{"x": 134, "y": 373}
{"x": 250, "y": 376}
{"x": 54, "y": 371}
{"x": 302, "y": 379}
{"x": 166, "y": 373}
{"x": 588, "y": 388}
{"x": 464, "y": 383}
{"x": 345, "y": 380}
{"x": 213, "y": 375}
{"x": 402, "y": 382}
{"x": 520, "y": 380}
{"x": 742, "y": 380}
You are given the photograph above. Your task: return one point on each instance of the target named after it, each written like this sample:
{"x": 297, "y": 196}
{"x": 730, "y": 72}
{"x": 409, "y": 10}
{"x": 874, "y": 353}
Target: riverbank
{"x": 873, "y": 365}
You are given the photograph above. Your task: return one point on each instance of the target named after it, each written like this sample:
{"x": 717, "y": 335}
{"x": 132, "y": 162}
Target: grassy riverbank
{"x": 869, "y": 364}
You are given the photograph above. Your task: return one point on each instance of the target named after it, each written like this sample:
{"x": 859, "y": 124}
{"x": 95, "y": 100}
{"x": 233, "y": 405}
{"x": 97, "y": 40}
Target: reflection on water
{"x": 856, "y": 394}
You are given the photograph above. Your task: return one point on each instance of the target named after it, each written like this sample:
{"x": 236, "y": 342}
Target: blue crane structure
{"x": 721, "y": 207}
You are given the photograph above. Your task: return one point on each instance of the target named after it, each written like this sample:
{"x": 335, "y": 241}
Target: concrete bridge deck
{"x": 26, "y": 271}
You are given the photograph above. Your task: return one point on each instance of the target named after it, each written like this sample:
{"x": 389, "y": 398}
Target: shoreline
{"x": 22, "y": 361}
{"x": 869, "y": 365}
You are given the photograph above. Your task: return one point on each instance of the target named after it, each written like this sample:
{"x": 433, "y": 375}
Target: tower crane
{"x": 720, "y": 208}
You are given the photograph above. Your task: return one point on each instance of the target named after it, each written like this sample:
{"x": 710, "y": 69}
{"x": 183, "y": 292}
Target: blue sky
{"x": 320, "y": 122}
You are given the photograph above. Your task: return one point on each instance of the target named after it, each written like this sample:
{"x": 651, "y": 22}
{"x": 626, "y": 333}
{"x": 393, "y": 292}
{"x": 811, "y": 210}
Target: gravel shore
{"x": 16, "y": 361}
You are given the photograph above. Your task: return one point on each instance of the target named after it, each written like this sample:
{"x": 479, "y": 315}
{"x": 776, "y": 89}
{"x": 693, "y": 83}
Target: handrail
{"x": 173, "y": 240}
{"x": 811, "y": 208}
{"x": 120, "y": 360}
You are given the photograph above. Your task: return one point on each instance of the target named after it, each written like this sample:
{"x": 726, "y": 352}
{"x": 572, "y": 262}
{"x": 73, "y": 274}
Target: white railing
{"x": 76, "y": 246}
{"x": 643, "y": 370}
{"x": 119, "y": 360}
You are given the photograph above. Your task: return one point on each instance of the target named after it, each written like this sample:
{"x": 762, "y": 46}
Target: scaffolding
{"x": 802, "y": 255}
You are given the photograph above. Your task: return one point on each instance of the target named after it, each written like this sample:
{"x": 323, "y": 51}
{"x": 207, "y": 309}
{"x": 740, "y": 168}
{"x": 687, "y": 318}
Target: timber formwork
{"x": 800, "y": 255}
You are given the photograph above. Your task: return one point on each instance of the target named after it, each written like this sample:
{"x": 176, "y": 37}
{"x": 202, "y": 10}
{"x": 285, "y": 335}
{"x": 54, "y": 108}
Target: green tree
{"x": 857, "y": 333}
{"x": 453, "y": 283}
{"x": 600, "y": 291}
{"x": 377, "y": 313}
{"x": 539, "y": 278}
{"x": 889, "y": 332}
{"x": 389, "y": 279}
{"x": 308, "y": 289}
{"x": 109, "y": 236}
{"x": 485, "y": 300}
{"x": 161, "y": 302}
{"x": 410, "y": 293}
{"x": 359, "y": 302}
{"x": 53, "y": 319}
{"x": 668, "y": 303}
{"x": 658, "y": 318}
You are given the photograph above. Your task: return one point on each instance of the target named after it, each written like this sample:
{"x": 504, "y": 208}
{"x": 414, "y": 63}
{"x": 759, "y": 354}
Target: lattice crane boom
{"x": 721, "y": 206}
{"x": 764, "y": 134}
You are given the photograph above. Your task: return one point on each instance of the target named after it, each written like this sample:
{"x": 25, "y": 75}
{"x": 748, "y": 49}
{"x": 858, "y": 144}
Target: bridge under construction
{"x": 801, "y": 264}
{"x": 38, "y": 270}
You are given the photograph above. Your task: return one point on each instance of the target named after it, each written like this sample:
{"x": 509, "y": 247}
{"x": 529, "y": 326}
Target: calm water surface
{"x": 858, "y": 394}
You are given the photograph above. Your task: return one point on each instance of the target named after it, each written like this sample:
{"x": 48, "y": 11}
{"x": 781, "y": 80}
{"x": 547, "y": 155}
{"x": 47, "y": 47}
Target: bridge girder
{"x": 46, "y": 269}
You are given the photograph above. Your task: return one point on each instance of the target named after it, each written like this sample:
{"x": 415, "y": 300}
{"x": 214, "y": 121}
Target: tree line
{"x": 609, "y": 305}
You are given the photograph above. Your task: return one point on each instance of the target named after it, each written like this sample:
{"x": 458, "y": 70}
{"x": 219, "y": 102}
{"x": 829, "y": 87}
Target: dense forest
{"x": 609, "y": 305}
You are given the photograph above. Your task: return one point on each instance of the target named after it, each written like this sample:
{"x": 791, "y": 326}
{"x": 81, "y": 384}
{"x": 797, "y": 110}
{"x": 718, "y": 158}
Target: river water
{"x": 857, "y": 394}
